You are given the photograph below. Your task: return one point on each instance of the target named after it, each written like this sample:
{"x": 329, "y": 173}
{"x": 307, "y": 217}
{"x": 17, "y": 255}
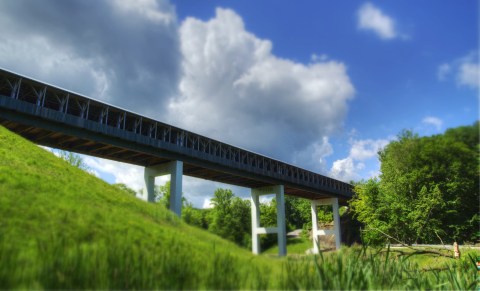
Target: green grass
{"x": 295, "y": 246}
{"x": 428, "y": 261}
{"x": 365, "y": 268}
{"x": 61, "y": 228}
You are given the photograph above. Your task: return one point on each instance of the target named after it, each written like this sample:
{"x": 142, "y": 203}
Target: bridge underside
{"x": 53, "y": 136}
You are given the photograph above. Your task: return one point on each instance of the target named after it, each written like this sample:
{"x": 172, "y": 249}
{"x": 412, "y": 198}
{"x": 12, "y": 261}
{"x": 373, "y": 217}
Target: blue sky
{"x": 395, "y": 79}
{"x": 321, "y": 84}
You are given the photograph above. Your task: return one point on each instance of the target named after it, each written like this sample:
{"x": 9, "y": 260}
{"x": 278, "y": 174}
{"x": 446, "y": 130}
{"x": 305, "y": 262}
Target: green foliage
{"x": 230, "y": 217}
{"x": 268, "y": 218}
{"x": 194, "y": 216}
{"x": 162, "y": 194}
{"x": 268, "y": 213}
{"x": 428, "y": 188}
{"x": 74, "y": 159}
{"x": 297, "y": 212}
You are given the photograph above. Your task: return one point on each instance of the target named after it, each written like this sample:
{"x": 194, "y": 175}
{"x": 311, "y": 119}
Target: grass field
{"x": 295, "y": 246}
{"x": 62, "y": 228}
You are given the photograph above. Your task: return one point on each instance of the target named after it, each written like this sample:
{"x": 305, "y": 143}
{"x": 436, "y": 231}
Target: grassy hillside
{"x": 61, "y": 228}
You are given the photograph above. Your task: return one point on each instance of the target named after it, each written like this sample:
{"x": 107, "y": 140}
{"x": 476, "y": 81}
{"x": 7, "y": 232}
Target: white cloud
{"x": 372, "y": 18}
{"x": 362, "y": 152}
{"x": 207, "y": 203}
{"x": 156, "y": 11}
{"x": 236, "y": 90}
{"x": 313, "y": 157}
{"x": 468, "y": 75}
{"x": 345, "y": 170}
{"x": 366, "y": 149}
{"x": 443, "y": 71}
{"x": 465, "y": 69}
{"x": 434, "y": 121}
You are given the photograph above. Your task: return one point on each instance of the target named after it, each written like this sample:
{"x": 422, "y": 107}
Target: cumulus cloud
{"x": 345, "y": 169}
{"x": 313, "y": 157}
{"x": 362, "y": 152}
{"x": 373, "y": 19}
{"x": 212, "y": 77}
{"x": 125, "y": 54}
{"x": 153, "y": 10}
{"x": 466, "y": 71}
{"x": 366, "y": 149}
{"x": 236, "y": 90}
{"x": 468, "y": 75}
{"x": 433, "y": 121}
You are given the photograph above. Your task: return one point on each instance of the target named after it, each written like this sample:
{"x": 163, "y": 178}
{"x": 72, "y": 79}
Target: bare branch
{"x": 417, "y": 251}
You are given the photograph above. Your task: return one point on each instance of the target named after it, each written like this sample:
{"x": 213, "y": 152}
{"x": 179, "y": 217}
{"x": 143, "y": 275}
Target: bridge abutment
{"x": 175, "y": 170}
{"x": 280, "y": 230}
{"x": 316, "y": 232}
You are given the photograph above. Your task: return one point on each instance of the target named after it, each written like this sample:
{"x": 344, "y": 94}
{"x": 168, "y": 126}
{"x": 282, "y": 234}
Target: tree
{"x": 74, "y": 159}
{"x": 230, "y": 217}
{"x": 162, "y": 194}
{"x": 428, "y": 188}
{"x": 194, "y": 216}
{"x": 268, "y": 213}
{"x": 297, "y": 212}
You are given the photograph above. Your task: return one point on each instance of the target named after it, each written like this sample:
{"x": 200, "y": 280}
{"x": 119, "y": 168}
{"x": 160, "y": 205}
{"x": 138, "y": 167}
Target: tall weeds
{"x": 364, "y": 268}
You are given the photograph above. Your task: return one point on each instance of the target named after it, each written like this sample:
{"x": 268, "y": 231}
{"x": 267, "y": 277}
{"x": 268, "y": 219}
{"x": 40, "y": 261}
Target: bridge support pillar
{"x": 175, "y": 170}
{"x": 316, "y": 232}
{"x": 280, "y": 230}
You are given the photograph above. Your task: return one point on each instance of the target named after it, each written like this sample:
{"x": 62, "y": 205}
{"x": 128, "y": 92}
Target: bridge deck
{"x": 54, "y": 117}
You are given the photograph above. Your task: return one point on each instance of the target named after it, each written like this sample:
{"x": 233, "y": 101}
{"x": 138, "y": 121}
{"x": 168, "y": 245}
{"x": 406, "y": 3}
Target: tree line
{"x": 230, "y": 216}
{"x": 427, "y": 191}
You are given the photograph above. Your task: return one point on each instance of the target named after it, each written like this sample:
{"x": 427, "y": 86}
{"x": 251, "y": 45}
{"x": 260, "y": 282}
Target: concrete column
{"x": 255, "y": 205}
{"x": 175, "y": 170}
{"x": 149, "y": 187}
{"x": 280, "y": 230}
{"x": 316, "y": 249}
{"x": 316, "y": 232}
{"x": 281, "y": 223}
{"x": 336, "y": 223}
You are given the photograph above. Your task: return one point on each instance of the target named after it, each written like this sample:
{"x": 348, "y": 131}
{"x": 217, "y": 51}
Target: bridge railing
{"x": 68, "y": 104}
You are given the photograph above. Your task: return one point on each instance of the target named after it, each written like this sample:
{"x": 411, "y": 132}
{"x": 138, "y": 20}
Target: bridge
{"x": 54, "y": 117}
